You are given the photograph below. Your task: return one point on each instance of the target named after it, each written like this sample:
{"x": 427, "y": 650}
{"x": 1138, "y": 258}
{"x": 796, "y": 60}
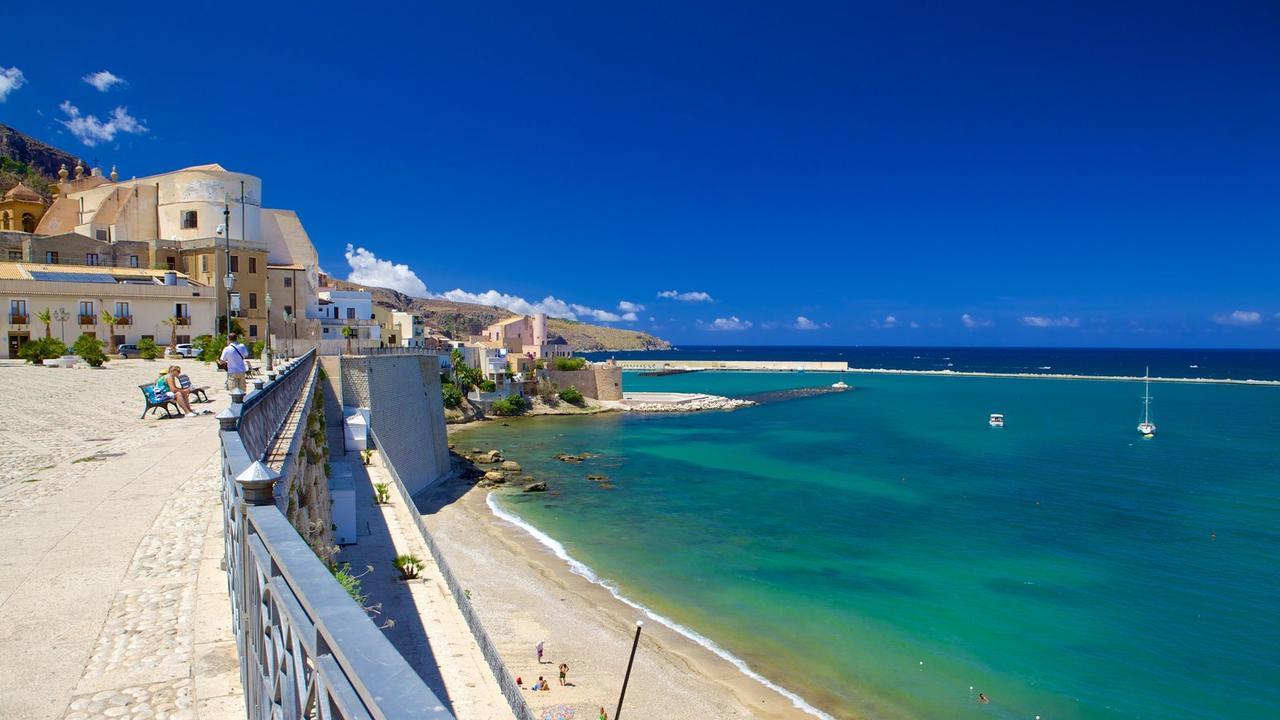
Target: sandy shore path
{"x": 525, "y": 594}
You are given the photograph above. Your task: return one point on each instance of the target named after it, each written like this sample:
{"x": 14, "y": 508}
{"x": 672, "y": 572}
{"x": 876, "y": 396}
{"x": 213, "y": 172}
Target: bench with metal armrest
{"x": 156, "y": 401}
{"x": 198, "y": 394}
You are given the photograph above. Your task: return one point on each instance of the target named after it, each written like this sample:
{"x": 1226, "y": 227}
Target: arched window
{"x": 28, "y": 222}
{"x": 4, "y": 220}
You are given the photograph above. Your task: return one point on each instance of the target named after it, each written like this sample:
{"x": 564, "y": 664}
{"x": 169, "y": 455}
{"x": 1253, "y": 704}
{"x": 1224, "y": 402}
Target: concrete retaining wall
{"x": 600, "y": 382}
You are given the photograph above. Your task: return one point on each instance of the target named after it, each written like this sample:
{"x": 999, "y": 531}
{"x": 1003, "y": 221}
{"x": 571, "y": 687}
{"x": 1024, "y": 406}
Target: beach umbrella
{"x": 558, "y": 712}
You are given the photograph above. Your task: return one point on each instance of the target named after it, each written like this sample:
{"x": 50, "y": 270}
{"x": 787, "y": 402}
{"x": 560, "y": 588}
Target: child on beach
{"x": 564, "y": 670}
{"x": 540, "y": 651}
{"x": 603, "y": 715}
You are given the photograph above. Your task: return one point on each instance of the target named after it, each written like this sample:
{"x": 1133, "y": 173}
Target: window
{"x": 100, "y": 234}
{"x": 189, "y": 219}
{"x": 122, "y": 310}
{"x": 288, "y": 281}
{"x": 253, "y": 265}
{"x": 133, "y": 261}
{"x": 17, "y": 255}
{"x": 148, "y": 337}
{"x": 119, "y": 340}
{"x": 51, "y": 257}
{"x": 171, "y": 263}
{"x": 4, "y": 221}
{"x": 184, "y": 339}
{"x": 351, "y": 313}
{"x": 91, "y": 258}
{"x": 204, "y": 263}
{"x": 17, "y": 309}
{"x": 87, "y": 315}
{"x": 235, "y": 263}
{"x": 253, "y": 330}
{"x": 253, "y": 301}
{"x": 28, "y": 223}
{"x": 181, "y": 310}
{"x": 288, "y": 311}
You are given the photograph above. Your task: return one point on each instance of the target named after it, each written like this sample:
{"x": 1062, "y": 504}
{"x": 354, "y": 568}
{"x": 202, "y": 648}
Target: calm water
{"x": 1062, "y": 565}
{"x": 1234, "y": 364}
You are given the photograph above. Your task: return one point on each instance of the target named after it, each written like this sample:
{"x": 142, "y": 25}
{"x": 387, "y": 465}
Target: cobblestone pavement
{"x": 110, "y": 585}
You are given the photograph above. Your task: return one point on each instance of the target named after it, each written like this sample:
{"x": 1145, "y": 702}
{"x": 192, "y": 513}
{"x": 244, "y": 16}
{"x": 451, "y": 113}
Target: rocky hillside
{"x": 23, "y": 158}
{"x": 460, "y": 320}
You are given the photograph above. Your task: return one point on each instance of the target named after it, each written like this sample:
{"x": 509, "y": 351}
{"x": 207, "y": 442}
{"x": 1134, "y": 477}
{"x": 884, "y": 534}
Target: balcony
{"x": 124, "y": 320}
{"x": 88, "y": 319}
{"x": 16, "y": 319}
{"x": 183, "y": 320}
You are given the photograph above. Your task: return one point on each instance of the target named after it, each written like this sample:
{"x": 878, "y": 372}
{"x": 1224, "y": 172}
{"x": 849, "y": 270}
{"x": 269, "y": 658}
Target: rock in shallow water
{"x": 537, "y": 487}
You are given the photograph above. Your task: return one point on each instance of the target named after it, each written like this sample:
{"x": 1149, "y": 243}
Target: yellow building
{"x": 21, "y": 209}
{"x": 142, "y": 299}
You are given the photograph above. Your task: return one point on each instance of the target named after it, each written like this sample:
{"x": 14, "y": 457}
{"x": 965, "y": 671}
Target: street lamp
{"x": 617, "y": 713}
{"x": 230, "y": 281}
{"x": 62, "y": 316}
{"x": 269, "y": 366}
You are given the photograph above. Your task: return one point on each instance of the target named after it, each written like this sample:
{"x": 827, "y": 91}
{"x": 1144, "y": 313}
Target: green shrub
{"x": 256, "y": 347}
{"x": 349, "y": 582}
{"x": 488, "y": 385}
{"x": 510, "y": 405}
{"x": 452, "y": 396}
{"x": 210, "y": 346}
{"x": 572, "y": 395}
{"x": 89, "y": 349}
{"x": 571, "y": 363}
{"x": 148, "y": 349}
{"x": 37, "y": 351}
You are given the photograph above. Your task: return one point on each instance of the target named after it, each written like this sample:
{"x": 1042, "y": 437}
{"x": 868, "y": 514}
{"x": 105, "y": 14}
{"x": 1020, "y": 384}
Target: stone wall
{"x": 302, "y": 494}
{"x": 402, "y": 393}
{"x": 600, "y": 382}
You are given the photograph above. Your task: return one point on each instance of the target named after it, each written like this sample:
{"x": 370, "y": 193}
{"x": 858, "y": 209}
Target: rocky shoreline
{"x": 687, "y": 403}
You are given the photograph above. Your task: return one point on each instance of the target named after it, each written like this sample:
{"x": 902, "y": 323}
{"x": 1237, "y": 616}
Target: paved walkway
{"x": 425, "y": 625}
{"x": 112, "y": 599}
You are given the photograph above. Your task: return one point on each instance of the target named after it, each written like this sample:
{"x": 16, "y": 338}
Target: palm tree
{"x": 348, "y": 332}
{"x": 173, "y": 323}
{"x": 110, "y": 321}
{"x": 46, "y": 316}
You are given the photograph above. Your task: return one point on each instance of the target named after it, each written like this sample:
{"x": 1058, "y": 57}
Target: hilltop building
{"x": 203, "y": 222}
{"x": 527, "y": 336}
{"x": 403, "y": 329}
{"x": 336, "y": 309}
{"x": 141, "y": 299}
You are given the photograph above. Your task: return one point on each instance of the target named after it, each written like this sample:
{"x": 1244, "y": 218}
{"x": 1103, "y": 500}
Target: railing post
{"x": 257, "y": 384}
{"x": 257, "y": 484}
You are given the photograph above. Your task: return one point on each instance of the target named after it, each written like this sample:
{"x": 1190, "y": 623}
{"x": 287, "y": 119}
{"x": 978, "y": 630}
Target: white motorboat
{"x": 996, "y": 420}
{"x": 840, "y": 385}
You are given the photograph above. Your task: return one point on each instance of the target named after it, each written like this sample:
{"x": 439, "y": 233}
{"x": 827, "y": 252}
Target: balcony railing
{"x": 16, "y": 319}
{"x": 124, "y": 320}
{"x": 183, "y": 320}
{"x": 88, "y": 319}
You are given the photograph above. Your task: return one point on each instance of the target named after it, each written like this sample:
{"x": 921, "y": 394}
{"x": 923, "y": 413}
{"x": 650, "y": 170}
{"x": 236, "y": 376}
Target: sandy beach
{"x": 526, "y": 594}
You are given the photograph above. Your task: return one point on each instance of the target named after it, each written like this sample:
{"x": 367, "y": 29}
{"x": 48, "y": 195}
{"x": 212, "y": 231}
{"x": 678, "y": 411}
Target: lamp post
{"x": 61, "y": 315}
{"x": 226, "y": 223}
{"x": 617, "y": 713}
{"x": 230, "y": 281}
{"x": 269, "y": 366}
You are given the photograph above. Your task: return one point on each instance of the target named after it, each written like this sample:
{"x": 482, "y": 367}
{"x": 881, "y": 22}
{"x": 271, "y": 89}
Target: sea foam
{"x": 579, "y": 568}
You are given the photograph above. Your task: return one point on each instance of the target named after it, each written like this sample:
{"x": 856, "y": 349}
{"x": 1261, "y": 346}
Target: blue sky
{"x": 932, "y": 173}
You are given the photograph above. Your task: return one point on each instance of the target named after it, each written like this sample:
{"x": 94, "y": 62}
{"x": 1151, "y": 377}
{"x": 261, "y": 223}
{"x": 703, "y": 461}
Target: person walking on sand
{"x": 564, "y": 670}
{"x": 539, "y": 648}
{"x": 233, "y": 360}
{"x": 603, "y": 715}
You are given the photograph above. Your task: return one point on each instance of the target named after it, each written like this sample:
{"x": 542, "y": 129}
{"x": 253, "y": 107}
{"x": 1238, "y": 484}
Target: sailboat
{"x": 1146, "y": 427}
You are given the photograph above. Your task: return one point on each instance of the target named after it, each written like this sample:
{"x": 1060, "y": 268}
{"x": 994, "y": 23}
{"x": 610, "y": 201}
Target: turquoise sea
{"x": 882, "y": 551}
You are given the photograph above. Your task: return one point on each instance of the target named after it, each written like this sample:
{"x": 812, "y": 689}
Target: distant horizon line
{"x": 676, "y": 346}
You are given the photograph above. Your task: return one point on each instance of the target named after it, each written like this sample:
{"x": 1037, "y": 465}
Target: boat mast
{"x": 1146, "y": 397}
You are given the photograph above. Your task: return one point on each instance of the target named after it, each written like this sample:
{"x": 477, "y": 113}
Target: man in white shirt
{"x": 235, "y": 355}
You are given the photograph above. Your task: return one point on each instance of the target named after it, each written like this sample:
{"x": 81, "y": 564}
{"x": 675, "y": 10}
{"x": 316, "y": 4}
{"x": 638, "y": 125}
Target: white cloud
{"x": 1239, "y": 317}
{"x": 551, "y": 305}
{"x": 104, "y": 80}
{"x": 730, "y": 323}
{"x": 971, "y": 322}
{"x": 368, "y": 269}
{"x": 1040, "y": 321}
{"x": 693, "y": 296}
{"x": 10, "y": 79}
{"x": 915, "y": 325}
{"x": 630, "y": 307}
{"x": 804, "y": 323}
{"x": 91, "y": 131}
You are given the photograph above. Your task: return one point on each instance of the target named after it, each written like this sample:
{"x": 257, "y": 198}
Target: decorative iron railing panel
{"x": 307, "y": 650}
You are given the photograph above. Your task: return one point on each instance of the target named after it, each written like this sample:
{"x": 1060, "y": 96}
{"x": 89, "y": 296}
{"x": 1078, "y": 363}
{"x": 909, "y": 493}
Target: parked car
{"x": 188, "y": 350}
{"x": 128, "y": 350}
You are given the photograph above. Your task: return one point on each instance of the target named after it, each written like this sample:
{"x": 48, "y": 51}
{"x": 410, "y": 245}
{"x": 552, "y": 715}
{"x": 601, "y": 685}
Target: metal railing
{"x": 506, "y": 681}
{"x": 306, "y": 649}
{"x": 17, "y": 319}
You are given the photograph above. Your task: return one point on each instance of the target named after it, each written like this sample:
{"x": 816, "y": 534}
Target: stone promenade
{"x": 112, "y": 602}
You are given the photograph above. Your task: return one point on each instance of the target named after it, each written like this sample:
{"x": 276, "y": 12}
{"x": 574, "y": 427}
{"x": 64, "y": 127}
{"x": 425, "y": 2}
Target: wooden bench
{"x": 156, "y": 401}
{"x": 197, "y": 394}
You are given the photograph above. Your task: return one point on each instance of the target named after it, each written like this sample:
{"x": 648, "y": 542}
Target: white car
{"x": 188, "y": 350}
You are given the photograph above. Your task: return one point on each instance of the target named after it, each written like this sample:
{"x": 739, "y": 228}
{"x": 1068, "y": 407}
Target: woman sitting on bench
{"x": 169, "y": 386}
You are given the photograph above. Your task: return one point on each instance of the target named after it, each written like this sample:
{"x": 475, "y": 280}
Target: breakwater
{"x": 742, "y": 365}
